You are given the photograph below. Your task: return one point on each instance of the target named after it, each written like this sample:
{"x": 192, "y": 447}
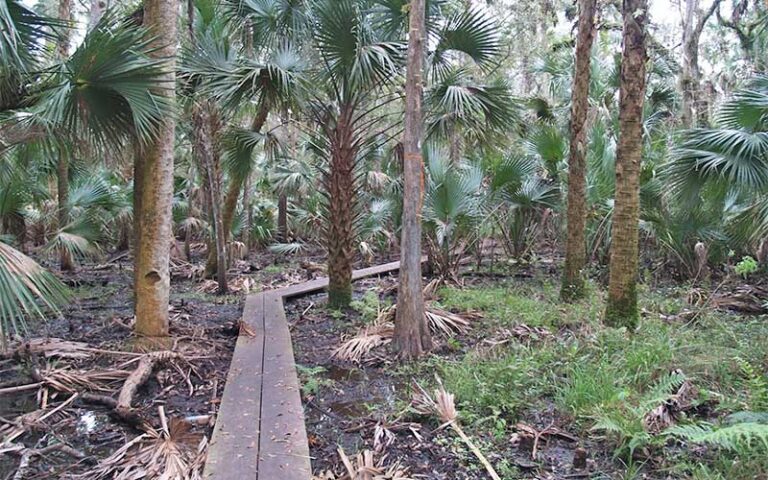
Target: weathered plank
{"x": 284, "y": 450}
{"x": 233, "y": 452}
{"x": 322, "y": 282}
{"x": 260, "y": 431}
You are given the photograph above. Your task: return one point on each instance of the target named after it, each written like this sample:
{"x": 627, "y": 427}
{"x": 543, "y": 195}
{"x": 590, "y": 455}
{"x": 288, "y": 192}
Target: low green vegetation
{"x": 312, "y": 380}
{"x": 605, "y": 381}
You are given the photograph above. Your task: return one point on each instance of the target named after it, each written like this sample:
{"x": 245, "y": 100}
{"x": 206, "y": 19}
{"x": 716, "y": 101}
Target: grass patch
{"x": 607, "y": 379}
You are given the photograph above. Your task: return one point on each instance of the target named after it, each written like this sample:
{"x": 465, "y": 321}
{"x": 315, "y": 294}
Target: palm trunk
{"x": 622, "y": 286}
{"x": 576, "y": 245}
{"x": 282, "y": 217}
{"x": 234, "y": 189}
{"x": 155, "y": 190}
{"x": 204, "y": 134}
{"x": 62, "y": 169}
{"x": 340, "y": 233}
{"x": 412, "y": 337}
{"x": 246, "y": 206}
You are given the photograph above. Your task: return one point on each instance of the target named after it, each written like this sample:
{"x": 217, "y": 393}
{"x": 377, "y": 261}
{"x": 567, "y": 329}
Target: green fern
{"x": 739, "y": 437}
{"x": 664, "y": 388}
{"x": 757, "y": 384}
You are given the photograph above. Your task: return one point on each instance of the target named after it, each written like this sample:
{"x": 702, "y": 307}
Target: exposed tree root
{"x": 140, "y": 376}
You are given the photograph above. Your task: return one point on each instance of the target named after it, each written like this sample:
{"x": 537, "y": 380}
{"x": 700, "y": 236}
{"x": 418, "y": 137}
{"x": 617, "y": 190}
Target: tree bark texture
{"x": 575, "y": 247}
{"x": 694, "y": 105}
{"x": 621, "y": 309}
{"x": 62, "y": 168}
{"x": 155, "y": 190}
{"x": 98, "y": 9}
{"x": 412, "y": 336}
{"x": 204, "y": 140}
{"x": 341, "y": 189}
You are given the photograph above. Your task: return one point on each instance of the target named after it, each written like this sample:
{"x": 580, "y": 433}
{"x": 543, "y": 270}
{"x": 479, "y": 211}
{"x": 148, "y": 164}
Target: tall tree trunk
{"x": 155, "y": 190}
{"x": 575, "y": 247}
{"x": 62, "y": 169}
{"x": 412, "y": 337}
{"x": 246, "y": 206}
{"x": 204, "y": 137}
{"x": 621, "y": 309}
{"x": 340, "y": 234}
{"x": 282, "y": 217}
{"x": 234, "y": 189}
{"x": 693, "y": 108}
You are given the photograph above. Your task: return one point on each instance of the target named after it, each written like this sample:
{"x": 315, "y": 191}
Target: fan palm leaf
{"x": 106, "y": 88}
{"x": 26, "y": 290}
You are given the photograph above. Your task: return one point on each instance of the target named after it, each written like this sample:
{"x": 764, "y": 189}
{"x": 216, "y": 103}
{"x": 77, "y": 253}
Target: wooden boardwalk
{"x": 260, "y": 431}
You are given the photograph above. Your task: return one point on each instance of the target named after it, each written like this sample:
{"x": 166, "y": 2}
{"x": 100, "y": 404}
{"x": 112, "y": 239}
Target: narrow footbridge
{"x": 260, "y": 432}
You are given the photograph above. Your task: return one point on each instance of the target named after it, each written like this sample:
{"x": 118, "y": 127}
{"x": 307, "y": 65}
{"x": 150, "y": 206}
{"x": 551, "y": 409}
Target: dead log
{"x": 128, "y": 416}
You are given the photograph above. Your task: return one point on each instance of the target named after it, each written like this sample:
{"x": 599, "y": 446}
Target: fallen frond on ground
{"x": 365, "y": 467}
{"x": 240, "y": 284}
{"x": 172, "y": 453}
{"x": 69, "y": 380}
{"x": 369, "y": 338}
{"x": 443, "y": 406}
{"x": 521, "y": 332}
{"x": 49, "y": 347}
{"x": 381, "y": 332}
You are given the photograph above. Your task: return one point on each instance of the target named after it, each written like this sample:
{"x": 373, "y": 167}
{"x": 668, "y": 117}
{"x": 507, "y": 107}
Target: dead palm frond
{"x": 446, "y": 323}
{"x": 365, "y": 341}
{"x": 365, "y": 467}
{"x": 443, "y": 406}
{"x": 382, "y": 437}
{"x": 172, "y": 453}
{"x": 71, "y": 380}
{"x": 50, "y": 347}
{"x": 381, "y": 332}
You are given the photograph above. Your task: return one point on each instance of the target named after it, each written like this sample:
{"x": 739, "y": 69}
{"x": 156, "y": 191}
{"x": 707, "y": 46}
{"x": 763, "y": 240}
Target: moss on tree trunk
{"x": 576, "y": 249}
{"x": 621, "y": 309}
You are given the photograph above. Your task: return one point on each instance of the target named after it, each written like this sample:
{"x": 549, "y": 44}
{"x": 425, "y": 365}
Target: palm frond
{"x": 26, "y": 290}
{"x": 105, "y": 89}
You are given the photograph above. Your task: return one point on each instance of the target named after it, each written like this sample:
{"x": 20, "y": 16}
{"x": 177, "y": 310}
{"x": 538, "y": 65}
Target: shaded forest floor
{"x": 73, "y": 362}
{"x": 528, "y": 368}
{"x": 533, "y": 373}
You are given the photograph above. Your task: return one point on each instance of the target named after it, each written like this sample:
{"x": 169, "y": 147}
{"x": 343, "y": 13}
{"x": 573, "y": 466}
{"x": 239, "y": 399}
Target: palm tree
{"x": 265, "y": 68}
{"x": 621, "y": 309}
{"x": 357, "y": 64}
{"x": 575, "y": 247}
{"x": 99, "y": 95}
{"x": 154, "y": 184}
{"x": 412, "y": 337}
{"x": 453, "y": 209}
{"x": 725, "y": 168}
{"x": 521, "y": 194}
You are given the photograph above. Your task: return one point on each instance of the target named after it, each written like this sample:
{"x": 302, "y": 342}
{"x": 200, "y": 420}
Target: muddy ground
{"x": 366, "y": 406}
{"x": 99, "y": 317}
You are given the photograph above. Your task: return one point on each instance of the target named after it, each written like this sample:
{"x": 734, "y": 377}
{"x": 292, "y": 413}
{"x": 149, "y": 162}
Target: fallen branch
{"x": 20, "y": 388}
{"x": 128, "y": 416}
{"x": 139, "y": 376}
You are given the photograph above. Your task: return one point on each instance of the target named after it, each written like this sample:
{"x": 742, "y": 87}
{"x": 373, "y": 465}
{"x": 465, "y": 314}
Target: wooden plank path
{"x": 260, "y": 432}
